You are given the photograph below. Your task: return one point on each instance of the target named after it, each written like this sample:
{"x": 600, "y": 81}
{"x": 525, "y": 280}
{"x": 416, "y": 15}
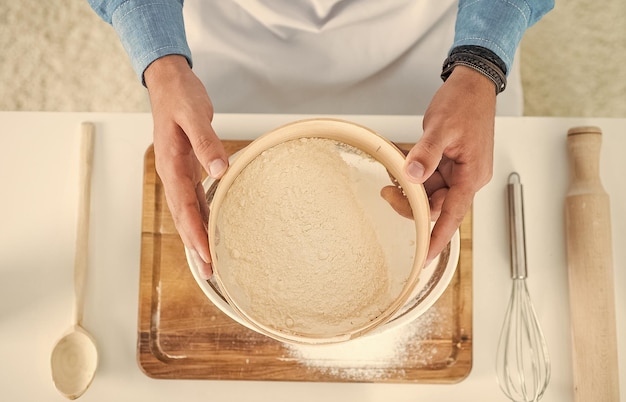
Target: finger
{"x": 436, "y": 202}
{"x": 187, "y": 206}
{"x": 190, "y": 223}
{"x": 456, "y": 204}
{"x": 423, "y": 158}
{"x": 188, "y": 217}
{"x": 205, "y": 269}
{"x": 207, "y": 146}
{"x": 434, "y": 183}
{"x": 398, "y": 201}
{"x": 202, "y": 203}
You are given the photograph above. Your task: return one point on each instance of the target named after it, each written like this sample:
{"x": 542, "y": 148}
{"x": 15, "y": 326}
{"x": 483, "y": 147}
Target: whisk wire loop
{"x": 523, "y": 364}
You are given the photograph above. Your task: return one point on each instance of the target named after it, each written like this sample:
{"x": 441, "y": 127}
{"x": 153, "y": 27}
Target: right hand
{"x": 454, "y": 156}
{"x": 184, "y": 144}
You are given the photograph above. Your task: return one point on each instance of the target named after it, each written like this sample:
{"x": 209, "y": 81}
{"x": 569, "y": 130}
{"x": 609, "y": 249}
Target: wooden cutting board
{"x": 182, "y": 335}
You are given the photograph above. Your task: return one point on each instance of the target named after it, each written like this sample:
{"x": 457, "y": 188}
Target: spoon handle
{"x": 82, "y": 223}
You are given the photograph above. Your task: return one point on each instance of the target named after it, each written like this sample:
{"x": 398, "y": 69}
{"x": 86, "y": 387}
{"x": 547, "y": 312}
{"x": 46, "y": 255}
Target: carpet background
{"x": 58, "y": 55}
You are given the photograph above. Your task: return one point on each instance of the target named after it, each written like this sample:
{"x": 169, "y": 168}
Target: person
{"x": 325, "y": 56}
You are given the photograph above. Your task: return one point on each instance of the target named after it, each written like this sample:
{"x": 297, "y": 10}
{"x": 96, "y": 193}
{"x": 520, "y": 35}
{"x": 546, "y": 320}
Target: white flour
{"x": 377, "y": 356}
{"x": 304, "y": 255}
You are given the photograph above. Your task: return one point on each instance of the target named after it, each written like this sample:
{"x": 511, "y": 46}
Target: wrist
{"x": 472, "y": 78}
{"x": 165, "y": 68}
{"x": 479, "y": 59}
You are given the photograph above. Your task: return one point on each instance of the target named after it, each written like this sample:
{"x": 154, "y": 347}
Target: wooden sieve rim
{"x": 365, "y": 140}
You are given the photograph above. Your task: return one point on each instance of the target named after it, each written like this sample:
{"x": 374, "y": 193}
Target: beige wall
{"x": 574, "y": 60}
{"x": 58, "y": 56}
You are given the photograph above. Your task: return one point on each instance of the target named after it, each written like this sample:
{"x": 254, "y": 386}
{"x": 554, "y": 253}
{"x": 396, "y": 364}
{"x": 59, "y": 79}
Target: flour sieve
{"x": 263, "y": 296}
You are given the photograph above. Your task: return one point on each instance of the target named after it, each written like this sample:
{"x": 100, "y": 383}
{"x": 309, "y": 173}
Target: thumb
{"x": 209, "y": 150}
{"x": 423, "y": 159}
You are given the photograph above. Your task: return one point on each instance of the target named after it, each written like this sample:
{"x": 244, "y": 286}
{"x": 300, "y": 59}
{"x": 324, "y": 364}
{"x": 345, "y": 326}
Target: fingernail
{"x": 217, "y": 168}
{"x": 202, "y": 265}
{"x": 415, "y": 170}
{"x": 206, "y": 272}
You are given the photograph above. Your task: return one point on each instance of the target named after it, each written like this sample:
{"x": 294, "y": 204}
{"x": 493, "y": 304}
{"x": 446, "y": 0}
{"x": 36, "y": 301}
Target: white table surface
{"x": 38, "y": 172}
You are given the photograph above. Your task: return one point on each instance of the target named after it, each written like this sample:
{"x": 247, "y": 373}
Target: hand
{"x": 184, "y": 144}
{"x": 454, "y": 157}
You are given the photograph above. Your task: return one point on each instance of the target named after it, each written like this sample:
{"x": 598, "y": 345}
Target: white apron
{"x": 325, "y": 56}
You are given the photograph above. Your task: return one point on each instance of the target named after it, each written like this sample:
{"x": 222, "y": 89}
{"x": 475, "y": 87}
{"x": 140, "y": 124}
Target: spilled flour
{"x": 379, "y": 356}
{"x": 301, "y": 252}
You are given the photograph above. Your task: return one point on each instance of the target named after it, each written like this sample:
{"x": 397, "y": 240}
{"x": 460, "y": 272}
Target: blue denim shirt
{"x": 150, "y": 29}
{"x": 497, "y": 25}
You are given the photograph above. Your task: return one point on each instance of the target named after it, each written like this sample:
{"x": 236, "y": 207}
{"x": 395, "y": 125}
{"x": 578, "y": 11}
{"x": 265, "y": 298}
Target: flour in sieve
{"x": 301, "y": 250}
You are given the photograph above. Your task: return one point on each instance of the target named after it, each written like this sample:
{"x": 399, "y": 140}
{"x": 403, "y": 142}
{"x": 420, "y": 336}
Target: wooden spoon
{"x": 75, "y": 357}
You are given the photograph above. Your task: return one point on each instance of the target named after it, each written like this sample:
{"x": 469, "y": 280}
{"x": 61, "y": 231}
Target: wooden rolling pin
{"x": 590, "y": 270}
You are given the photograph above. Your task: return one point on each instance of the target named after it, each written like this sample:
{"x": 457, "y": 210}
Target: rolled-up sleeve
{"x": 497, "y": 25}
{"x": 148, "y": 29}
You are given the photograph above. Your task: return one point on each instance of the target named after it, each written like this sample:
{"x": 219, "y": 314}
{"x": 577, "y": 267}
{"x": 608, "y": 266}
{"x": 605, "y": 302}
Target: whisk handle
{"x": 516, "y": 227}
{"x": 590, "y": 271}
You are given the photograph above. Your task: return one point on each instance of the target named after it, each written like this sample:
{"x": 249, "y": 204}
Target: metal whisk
{"x": 523, "y": 364}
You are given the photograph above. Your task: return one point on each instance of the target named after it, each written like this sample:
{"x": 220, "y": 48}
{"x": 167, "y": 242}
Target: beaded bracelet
{"x": 480, "y": 59}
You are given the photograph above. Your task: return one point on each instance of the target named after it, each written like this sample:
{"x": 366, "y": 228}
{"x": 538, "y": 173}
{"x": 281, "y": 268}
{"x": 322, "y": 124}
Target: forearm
{"x": 148, "y": 29}
{"x": 497, "y": 25}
